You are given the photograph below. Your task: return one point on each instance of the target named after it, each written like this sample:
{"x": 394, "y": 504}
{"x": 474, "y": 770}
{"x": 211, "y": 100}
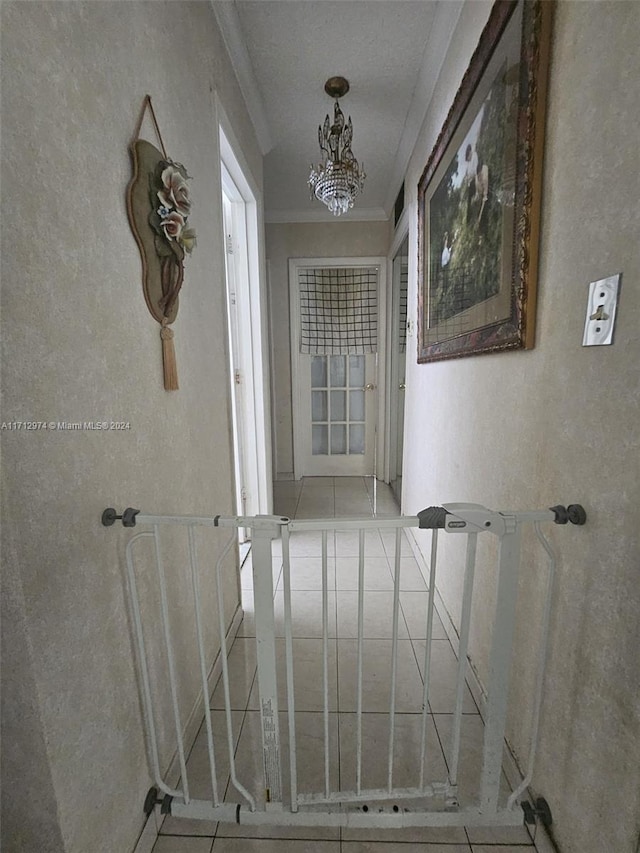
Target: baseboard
{"x": 172, "y": 775}
{"x": 149, "y": 834}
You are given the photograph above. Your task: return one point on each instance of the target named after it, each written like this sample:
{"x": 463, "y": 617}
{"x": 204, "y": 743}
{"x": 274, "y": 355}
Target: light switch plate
{"x": 601, "y": 311}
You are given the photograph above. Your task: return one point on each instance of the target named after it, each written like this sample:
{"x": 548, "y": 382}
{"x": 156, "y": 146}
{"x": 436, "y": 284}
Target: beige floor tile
{"x": 443, "y": 678}
{"x": 309, "y": 753}
{"x": 242, "y": 671}
{"x": 198, "y": 766}
{"x": 470, "y": 764}
{"x": 509, "y": 848}
{"x": 414, "y": 608}
{"x": 377, "y": 575}
{"x": 306, "y": 573}
{"x": 386, "y": 506}
{"x": 389, "y": 542}
{"x": 309, "y": 483}
{"x": 348, "y": 543}
{"x": 302, "y": 833}
{"x": 375, "y": 753}
{"x": 306, "y": 613}
{"x": 399, "y": 847}
{"x": 515, "y": 835}
{"x": 285, "y": 507}
{"x": 261, "y": 845}
{"x": 318, "y": 503}
{"x": 171, "y": 844}
{"x": 186, "y": 826}
{"x": 376, "y": 676}
{"x": 302, "y": 543}
{"x": 378, "y": 616}
{"x": 411, "y": 579}
{"x": 413, "y": 835}
{"x": 353, "y": 507}
{"x": 308, "y": 669}
{"x": 248, "y": 625}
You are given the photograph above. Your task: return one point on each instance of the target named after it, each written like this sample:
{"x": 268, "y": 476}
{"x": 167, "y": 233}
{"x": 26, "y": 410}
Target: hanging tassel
{"x": 169, "y": 359}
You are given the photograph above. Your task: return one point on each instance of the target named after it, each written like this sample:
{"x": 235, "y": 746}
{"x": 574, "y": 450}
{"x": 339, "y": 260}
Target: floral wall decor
{"x": 159, "y": 207}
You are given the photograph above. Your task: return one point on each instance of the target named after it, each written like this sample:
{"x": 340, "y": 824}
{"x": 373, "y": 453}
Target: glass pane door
{"x": 338, "y": 405}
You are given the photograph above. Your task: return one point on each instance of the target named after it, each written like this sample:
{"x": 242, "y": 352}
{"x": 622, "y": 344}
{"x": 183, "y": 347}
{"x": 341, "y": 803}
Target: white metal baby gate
{"x": 426, "y": 803}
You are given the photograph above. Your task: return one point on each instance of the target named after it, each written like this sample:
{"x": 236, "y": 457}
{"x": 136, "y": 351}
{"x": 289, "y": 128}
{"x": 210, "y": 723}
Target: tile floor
{"x": 339, "y": 497}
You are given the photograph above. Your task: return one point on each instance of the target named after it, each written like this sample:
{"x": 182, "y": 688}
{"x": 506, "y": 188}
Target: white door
{"x": 335, "y": 398}
{"x": 338, "y": 397}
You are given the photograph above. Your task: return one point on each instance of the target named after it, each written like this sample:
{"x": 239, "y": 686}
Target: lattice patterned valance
{"x": 338, "y": 310}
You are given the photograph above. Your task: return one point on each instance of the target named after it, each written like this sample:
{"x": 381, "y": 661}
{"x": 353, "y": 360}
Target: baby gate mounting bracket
{"x": 539, "y": 811}
{"x": 152, "y": 800}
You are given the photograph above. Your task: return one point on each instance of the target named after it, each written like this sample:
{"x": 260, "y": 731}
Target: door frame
{"x": 237, "y": 184}
{"x": 391, "y": 397}
{"x": 295, "y": 264}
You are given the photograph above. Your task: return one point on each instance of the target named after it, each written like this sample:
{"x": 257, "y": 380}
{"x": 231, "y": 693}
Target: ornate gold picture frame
{"x": 479, "y": 194}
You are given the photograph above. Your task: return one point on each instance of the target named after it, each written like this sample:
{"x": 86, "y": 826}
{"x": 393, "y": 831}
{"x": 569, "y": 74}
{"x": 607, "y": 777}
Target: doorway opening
{"x": 337, "y": 332}
{"x": 247, "y": 337}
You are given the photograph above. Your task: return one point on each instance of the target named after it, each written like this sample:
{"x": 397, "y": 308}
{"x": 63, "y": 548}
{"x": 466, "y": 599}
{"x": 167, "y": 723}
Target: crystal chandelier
{"x": 338, "y": 178}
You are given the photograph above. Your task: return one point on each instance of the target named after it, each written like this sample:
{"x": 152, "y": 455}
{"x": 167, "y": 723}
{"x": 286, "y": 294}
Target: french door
{"x": 335, "y": 395}
{"x": 338, "y": 397}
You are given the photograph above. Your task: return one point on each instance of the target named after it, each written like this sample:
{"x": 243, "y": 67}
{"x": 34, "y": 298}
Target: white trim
{"x": 294, "y": 310}
{"x": 401, "y": 234}
{"x": 231, "y": 30}
{"x": 239, "y": 185}
{"x": 401, "y": 231}
{"x": 232, "y": 155}
{"x": 358, "y": 214}
{"x": 149, "y": 834}
{"x": 272, "y": 368}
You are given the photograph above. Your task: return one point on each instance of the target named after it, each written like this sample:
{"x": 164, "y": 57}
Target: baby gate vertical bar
{"x": 288, "y": 642}
{"x": 264, "y": 530}
{"x": 171, "y": 662}
{"x": 360, "y": 650}
{"x": 195, "y": 585}
{"x": 144, "y": 667}
{"x": 325, "y": 660}
{"x": 225, "y": 673}
{"x": 546, "y": 618}
{"x": 427, "y": 651}
{"x": 465, "y": 620}
{"x": 499, "y": 665}
{"x": 394, "y": 658}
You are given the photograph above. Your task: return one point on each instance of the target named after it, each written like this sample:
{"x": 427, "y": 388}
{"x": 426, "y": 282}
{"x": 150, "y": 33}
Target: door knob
{"x": 370, "y": 387}
{"x": 401, "y": 386}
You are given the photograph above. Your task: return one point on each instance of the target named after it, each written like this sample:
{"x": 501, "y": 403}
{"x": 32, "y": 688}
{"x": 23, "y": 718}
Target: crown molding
{"x": 444, "y": 23}
{"x": 366, "y": 214}
{"x": 228, "y": 21}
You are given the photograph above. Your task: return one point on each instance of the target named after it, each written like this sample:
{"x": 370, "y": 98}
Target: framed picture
{"x": 479, "y": 195}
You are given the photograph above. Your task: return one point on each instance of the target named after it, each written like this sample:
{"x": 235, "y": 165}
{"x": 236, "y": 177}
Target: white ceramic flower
{"x": 175, "y": 191}
{"x": 172, "y": 225}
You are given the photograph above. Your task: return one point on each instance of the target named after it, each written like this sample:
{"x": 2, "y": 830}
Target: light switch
{"x": 601, "y": 311}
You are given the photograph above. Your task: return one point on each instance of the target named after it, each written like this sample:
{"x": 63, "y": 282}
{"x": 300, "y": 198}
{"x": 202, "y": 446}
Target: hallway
{"x": 339, "y": 497}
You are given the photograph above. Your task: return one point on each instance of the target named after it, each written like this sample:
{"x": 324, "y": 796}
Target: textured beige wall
{"x": 80, "y": 345}
{"x": 304, "y": 240}
{"x": 558, "y": 424}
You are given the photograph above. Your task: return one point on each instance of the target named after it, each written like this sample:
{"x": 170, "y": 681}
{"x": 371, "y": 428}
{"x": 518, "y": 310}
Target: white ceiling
{"x": 283, "y": 51}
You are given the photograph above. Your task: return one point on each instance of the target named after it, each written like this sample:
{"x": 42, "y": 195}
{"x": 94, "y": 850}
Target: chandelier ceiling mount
{"x": 338, "y": 178}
